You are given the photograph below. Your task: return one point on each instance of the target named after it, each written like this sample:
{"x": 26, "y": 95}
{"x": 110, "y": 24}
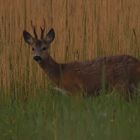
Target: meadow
{"x": 85, "y": 29}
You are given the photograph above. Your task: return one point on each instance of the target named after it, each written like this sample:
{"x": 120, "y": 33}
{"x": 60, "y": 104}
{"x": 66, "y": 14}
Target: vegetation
{"x": 51, "y": 115}
{"x": 85, "y": 29}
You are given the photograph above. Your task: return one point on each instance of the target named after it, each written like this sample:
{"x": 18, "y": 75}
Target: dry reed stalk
{"x": 86, "y": 29}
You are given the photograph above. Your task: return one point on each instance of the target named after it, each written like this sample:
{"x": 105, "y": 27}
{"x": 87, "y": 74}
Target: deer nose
{"x": 37, "y": 58}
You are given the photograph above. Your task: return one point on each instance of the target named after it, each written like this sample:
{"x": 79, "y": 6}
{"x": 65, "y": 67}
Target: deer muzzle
{"x": 37, "y": 58}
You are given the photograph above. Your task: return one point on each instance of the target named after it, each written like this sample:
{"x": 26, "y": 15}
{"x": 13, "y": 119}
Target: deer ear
{"x": 50, "y": 36}
{"x": 28, "y": 37}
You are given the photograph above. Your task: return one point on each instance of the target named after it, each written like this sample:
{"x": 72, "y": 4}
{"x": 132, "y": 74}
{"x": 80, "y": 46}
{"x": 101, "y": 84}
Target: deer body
{"x": 121, "y": 73}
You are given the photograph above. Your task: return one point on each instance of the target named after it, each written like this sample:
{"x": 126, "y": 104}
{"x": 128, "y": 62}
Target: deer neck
{"x": 52, "y": 68}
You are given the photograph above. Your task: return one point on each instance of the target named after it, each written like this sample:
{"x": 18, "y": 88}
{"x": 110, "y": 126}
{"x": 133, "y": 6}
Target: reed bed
{"x": 84, "y": 30}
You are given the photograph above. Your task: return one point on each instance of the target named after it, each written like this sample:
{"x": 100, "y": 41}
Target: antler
{"x": 34, "y": 30}
{"x": 42, "y": 30}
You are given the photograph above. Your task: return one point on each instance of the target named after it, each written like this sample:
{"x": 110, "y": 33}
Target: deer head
{"x": 40, "y": 45}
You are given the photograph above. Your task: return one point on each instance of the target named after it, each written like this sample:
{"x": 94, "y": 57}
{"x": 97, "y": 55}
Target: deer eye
{"x": 44, "y": 48}
{"x": 33, "y": 49}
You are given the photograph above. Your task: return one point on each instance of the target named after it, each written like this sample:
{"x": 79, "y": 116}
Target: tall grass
{"x": 84, "y": 30}
{"x": 56, "y": 117}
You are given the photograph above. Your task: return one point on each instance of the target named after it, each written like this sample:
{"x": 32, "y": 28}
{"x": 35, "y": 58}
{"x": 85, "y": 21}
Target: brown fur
{"x": 121, "y": 73}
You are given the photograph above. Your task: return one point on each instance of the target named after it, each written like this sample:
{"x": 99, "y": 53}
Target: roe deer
{"x": 121, "y": 72}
